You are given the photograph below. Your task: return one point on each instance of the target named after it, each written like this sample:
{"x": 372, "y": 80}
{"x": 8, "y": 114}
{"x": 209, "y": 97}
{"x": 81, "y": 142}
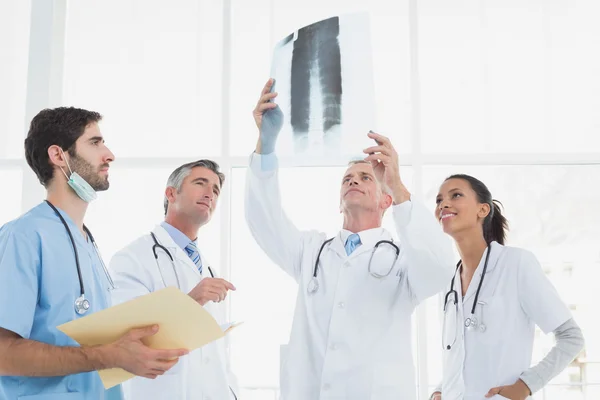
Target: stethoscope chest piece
{"x": 313, "y": 285}
{"x": 473, "y": 324}
{"x": 82, "y": 305}
{"x": 470, "y": 323}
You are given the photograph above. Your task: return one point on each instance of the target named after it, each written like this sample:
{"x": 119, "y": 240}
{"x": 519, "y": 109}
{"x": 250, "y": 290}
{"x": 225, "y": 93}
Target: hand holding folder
{"x": 183, "y": 323}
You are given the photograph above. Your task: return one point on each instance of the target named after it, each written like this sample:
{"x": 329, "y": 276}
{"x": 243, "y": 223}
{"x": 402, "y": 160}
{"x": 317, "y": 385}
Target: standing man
{"x": 351, "y": 335}
{"x": 170, "y": 256}
{"x": 51, "y": 273}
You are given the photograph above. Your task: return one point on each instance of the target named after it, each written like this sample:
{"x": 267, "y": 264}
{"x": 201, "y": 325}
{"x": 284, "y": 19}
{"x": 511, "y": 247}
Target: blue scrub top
{"x": 38, "y": 288}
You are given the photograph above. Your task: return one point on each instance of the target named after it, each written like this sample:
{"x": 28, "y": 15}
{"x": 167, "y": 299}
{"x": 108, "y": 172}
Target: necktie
{"x": 192, "y": 251}
{"x": 352, "y": 243}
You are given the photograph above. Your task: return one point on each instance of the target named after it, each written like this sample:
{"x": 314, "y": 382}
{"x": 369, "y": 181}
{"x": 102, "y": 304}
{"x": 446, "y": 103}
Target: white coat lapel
{"x": 459, "y": 323}
{"x": 495, "y": 252}
{"x": 336, "y": 245}
{"x": 183, "y": 258}
{"x": 180, "y": 257}
{"x": 369, "y": 244}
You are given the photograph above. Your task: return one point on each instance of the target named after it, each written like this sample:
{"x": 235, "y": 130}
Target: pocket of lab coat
{"x": 494, "y": 315}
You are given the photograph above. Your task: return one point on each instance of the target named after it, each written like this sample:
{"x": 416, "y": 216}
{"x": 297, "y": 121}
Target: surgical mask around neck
{"x": 79, "y": 185}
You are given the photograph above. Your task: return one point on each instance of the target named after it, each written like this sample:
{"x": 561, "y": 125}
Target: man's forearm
{"x": 23, "y": 357}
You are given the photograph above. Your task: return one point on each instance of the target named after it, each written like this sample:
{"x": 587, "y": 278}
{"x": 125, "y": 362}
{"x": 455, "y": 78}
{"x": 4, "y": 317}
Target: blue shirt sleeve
{"x": 114, "y": 393}
{"x": 19, "y": 269}
{"x": 268, "y": 162}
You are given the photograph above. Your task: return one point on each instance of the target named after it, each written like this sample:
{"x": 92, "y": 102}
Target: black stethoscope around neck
{"x": 157, "y": 245}
{"x": 471, "y": 322}
{"x": 82, "y": 305}
{"x": 313, "y": 284}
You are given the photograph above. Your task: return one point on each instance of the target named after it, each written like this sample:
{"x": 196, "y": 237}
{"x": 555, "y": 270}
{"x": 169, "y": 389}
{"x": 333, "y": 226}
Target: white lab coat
{"x": 516, "y": 295}
{"x": 202, "y": 374}
{"x": 351, "y": 339}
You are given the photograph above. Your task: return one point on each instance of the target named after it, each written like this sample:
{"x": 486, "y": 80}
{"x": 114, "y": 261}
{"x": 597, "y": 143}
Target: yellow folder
{"x": 183, "y": 324}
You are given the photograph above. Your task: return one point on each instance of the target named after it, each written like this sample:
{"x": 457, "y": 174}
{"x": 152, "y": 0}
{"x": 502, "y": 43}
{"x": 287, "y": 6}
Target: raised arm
{"x": 268, "y": 223}
{"x": 426, "y": 250}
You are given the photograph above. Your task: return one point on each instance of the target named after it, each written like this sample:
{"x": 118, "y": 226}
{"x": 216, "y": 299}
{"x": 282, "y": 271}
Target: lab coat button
{"x": 333, "y": 346}
{"x": 206, "y": 360}
{"x": 326, "y": 387}
{"x": 341, "y": 304}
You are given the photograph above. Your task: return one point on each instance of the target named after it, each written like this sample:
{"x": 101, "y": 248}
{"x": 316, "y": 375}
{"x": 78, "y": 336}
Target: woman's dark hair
{"x": 60, "y": 126}
{"x": 495, "y": 224}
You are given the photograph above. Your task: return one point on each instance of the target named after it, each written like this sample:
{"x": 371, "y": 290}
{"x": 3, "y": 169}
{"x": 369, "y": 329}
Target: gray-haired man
{"x": 170, "y": 255}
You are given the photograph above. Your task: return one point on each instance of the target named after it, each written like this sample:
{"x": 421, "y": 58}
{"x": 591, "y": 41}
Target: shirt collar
{"x": 367, "y": 238}
{"x": 178, "y": 237}
{"x": 77, "y": 235}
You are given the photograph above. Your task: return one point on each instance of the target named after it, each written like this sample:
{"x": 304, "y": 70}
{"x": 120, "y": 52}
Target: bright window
{"x": 14, "y": 40}
{"x": 153, "y": 71}
{"x": 507, "y": 91}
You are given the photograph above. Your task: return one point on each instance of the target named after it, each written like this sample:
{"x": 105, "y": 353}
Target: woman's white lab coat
{"x": 202, "y": 374}
{"x": 351, "y": 339}
{"x": 515, "y": 296}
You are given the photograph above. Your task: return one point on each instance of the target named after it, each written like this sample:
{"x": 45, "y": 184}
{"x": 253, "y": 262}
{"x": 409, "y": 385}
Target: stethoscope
{"x": 82, "y": 305}
{"x": 163, "y": 248}
{"x": 471, "y": 323}
{"x": 313, "y": 284}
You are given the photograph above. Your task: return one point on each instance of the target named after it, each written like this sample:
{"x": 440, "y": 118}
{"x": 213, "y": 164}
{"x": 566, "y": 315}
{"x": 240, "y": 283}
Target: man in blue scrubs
{"x": 40, "y": 280}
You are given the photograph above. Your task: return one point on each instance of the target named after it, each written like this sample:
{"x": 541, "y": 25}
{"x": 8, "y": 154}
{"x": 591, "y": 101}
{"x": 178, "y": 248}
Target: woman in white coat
{"x": 494, "y": 301}
{"x": 169, "y": 256}
{"x": 351, "y": 335}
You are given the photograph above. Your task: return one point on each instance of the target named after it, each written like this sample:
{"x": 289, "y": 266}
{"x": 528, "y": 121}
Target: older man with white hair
{"x": 351, "y": 335}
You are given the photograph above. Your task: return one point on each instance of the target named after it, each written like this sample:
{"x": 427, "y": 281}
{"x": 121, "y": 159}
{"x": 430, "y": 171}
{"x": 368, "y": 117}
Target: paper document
{"x": 183, "y": 324}
{"x": 229, "y": 326}
{"x": 324, "y": 80}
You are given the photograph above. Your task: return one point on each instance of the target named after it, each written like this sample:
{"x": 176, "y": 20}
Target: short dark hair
{"x": 60, "y": 126}
{"x": 176, "y": 178}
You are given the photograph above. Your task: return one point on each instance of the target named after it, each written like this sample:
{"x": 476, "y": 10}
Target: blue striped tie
{"x": 352, "y": 243}
{"x": 194, "y": 254}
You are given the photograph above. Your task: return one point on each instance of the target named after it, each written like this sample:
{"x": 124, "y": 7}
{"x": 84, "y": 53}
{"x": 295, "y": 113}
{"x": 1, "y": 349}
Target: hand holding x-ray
{"x": 268, "y": 118}
{"x": 384, "y": 160}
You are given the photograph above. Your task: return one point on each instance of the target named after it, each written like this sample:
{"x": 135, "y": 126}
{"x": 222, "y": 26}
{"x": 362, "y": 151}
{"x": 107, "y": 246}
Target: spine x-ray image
{"x": 324, "y": 82}
{"x": 317, "y": 51}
